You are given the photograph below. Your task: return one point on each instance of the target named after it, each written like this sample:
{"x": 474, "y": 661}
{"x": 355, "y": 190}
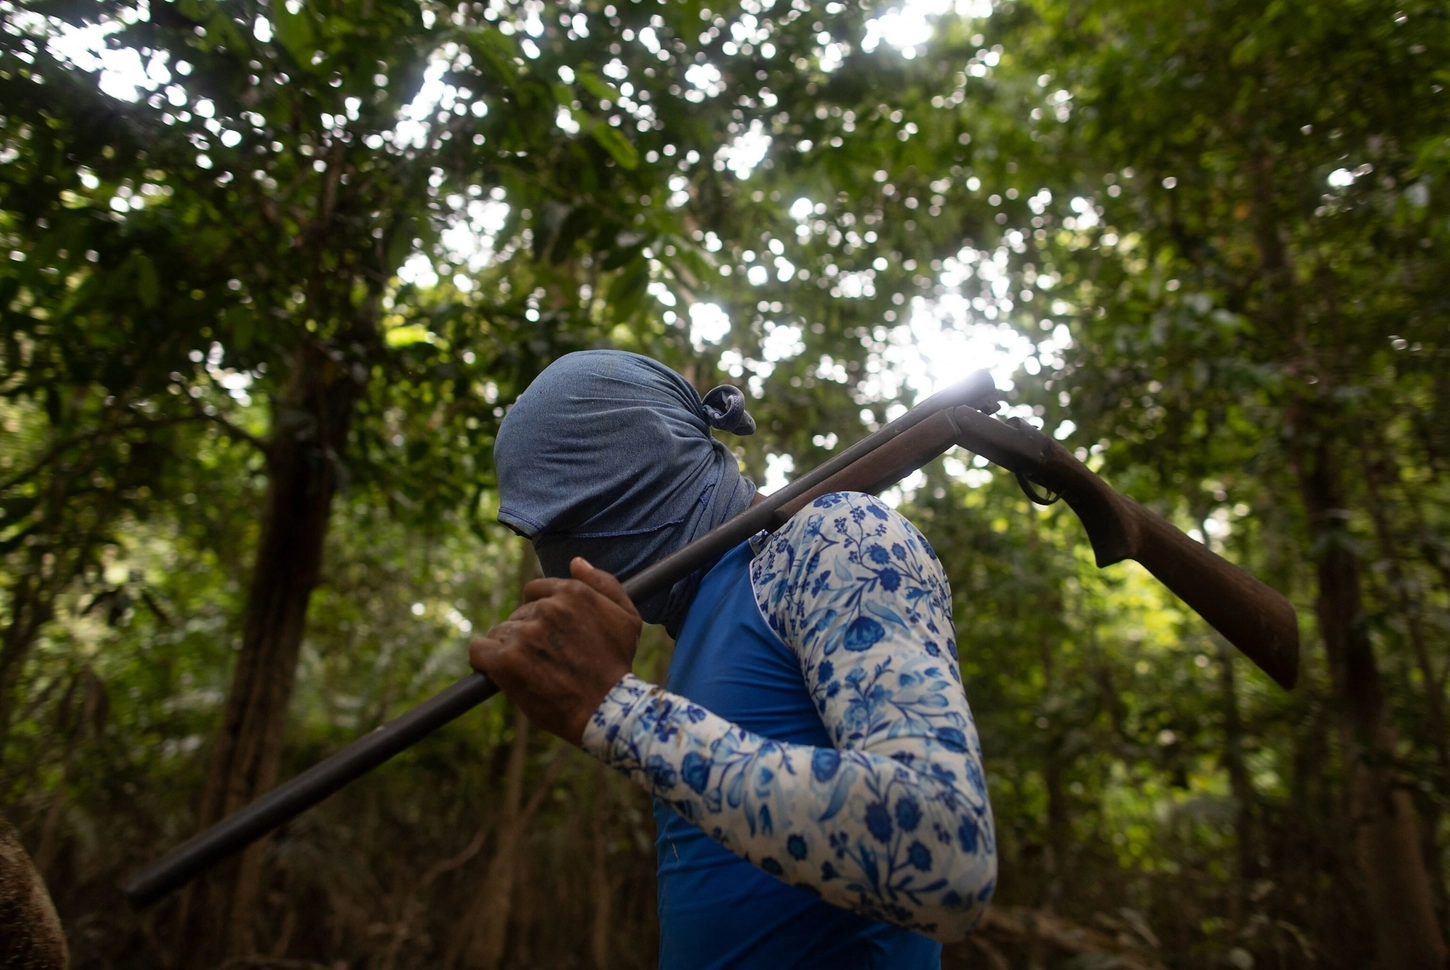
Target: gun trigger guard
{"x": 1030, "y": 490}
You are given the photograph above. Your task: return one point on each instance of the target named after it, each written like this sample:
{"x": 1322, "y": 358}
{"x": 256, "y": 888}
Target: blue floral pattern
{"x": 893, "y": 822}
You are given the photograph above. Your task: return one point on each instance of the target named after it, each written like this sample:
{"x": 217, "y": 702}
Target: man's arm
{"x": 892, "y": 823}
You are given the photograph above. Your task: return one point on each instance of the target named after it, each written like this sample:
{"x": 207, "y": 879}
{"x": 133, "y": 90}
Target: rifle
{"x": 1250, "y": 615}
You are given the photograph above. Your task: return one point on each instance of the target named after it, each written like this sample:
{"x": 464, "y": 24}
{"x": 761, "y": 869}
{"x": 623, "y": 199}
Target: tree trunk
{"x": 310, "y": 431}
{"x": 1386, "y": 830}
{"x": 1232, "y": 759}
{"x": 1059, "y": 825}
{"x": 523, "y": 920}
{"x": 1059, "y": 831}
{"x": 599, "y": 872}
{"x": 1411, "y": 611}
{"x": 486, "y": 933}
{"x": 488, "y": 930}
{"x": 1245, "y": 831}
{"x": 1382, "y": 815}
{"x": 482, "y": 938}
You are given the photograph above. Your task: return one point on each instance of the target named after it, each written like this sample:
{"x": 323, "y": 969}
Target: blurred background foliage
{"x": 271, "y": 272}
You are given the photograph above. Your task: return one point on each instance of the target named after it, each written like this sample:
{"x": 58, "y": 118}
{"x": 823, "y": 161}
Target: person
{"x": 817, "y": 777}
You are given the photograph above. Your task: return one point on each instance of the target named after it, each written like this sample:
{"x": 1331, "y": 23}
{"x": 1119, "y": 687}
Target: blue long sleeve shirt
{"x": 816, "y": 770}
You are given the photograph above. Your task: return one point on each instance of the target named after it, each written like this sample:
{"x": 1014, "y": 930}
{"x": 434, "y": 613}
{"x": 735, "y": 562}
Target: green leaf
{"x": 406, "y": 336}
{"x": 628, "y": 289}
{"x": 693, "y": 265}
{"x": 294, "y": 33}
{"x": 244, "y": 327}
{"x": 617, "y": 145}
{"x": 575, "y": 226}
{"x": 498, "y": 52}
{"x": 220, "y": 29}
{"x": 400, "y": 243}
{"x": 626, "y": 246}
{"x": 148, "y": 286}
{"x": 597, "y": 86}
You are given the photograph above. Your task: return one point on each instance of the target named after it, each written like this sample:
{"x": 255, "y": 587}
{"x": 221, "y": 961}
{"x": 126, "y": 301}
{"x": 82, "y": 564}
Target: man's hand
{"x": 561, "y": 652}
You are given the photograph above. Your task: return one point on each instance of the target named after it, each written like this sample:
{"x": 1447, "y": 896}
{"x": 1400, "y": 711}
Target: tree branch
{"x": 65, "y": 444}
{"x": 232, "y": 430}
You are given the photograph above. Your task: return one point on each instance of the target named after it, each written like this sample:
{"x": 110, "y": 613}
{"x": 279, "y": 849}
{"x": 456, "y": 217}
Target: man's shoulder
{"x": 841, "y": 552}
{"x": 853, "y": 521}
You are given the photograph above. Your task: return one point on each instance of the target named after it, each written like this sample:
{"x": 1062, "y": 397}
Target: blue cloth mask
{"x": 608, "y": 455}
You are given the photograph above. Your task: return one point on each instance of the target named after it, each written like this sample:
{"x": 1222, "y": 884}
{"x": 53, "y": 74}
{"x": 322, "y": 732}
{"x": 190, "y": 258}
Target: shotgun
{"x": 1250, "y": 615}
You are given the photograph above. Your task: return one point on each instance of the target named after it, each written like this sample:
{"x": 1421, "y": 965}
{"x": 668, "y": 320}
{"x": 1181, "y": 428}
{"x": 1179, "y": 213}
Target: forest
{"x": 272, "y": 271}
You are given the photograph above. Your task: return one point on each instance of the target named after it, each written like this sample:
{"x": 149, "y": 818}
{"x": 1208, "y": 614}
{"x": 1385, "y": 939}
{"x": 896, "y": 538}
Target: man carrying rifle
{"x": 817, "y": 777}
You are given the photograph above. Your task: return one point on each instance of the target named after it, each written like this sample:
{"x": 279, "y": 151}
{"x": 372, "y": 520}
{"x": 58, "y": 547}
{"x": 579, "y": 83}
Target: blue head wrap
{"x": 608, "y": 455}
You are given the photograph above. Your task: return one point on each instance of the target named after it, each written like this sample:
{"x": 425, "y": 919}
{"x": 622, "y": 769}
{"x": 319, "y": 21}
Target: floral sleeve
{"x": 894, "y": 821}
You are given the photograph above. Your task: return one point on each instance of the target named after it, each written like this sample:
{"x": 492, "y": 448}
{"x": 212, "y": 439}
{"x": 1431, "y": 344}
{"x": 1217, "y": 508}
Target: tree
{"x": 1276, "y": 305}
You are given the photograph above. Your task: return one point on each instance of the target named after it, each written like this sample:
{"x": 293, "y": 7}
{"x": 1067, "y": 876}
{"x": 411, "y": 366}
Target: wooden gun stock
{"x": 1251, "y": 615}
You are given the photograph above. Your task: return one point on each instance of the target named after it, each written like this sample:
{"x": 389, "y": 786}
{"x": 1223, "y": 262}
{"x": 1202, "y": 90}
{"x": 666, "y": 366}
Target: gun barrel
{"x": 297, "y": 794}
